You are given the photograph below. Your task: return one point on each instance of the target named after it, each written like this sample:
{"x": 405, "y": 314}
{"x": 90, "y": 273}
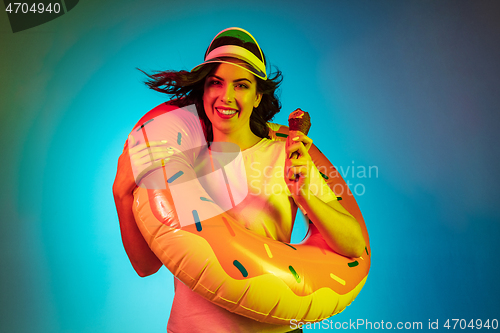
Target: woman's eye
{"x": 214, "y": 83}
{"x": 242, "y": 85}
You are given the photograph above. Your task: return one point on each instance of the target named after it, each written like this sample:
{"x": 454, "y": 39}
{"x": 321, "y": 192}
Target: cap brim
{"x": 237, "y": 62}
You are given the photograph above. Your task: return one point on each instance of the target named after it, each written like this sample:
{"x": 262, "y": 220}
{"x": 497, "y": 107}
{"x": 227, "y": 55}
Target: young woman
{"x": 235, "y": 99}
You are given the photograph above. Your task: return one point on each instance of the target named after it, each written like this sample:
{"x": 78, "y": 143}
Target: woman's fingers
{"x": 298, "y": 136}
{"x": 298, "y": 161}
{"x": 151, "y": 151}
{"x": 298, "y": 167}
{"x": 143, "y": 155}
{"x": 301, "y": 161}
{"x": 295, "y": 171}
{"x": 298, "y": 148}
{"x": 152, "y": 158}
{"x": 145, "y": 146}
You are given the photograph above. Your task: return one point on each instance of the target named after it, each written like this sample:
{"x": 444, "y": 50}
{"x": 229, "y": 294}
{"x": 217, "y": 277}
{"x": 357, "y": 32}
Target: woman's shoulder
{"x": 267, "y": 144}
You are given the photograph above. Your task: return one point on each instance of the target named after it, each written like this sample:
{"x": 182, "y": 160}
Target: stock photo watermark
{"x": 431, "y": 324}
{"x": 355, "y": 177}
{"x": 24, "y": 15}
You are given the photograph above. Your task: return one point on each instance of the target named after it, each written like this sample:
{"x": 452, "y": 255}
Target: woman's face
{"x": 230, "y": 94}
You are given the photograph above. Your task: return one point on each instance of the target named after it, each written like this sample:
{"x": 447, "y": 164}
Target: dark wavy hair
{"x": 187, "y": 88}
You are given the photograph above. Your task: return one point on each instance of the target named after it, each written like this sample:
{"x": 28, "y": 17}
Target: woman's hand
{"x": 340, "y": 230}
{"x": 146, "y": 157}
{"x": 298, "y": 164}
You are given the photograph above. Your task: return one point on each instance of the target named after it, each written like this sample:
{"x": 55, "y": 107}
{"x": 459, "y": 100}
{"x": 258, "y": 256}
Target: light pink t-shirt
{"x": 269, "y": 210}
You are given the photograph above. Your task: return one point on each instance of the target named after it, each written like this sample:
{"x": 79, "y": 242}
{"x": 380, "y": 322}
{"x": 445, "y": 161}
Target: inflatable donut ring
{"x": 220, "y": 259}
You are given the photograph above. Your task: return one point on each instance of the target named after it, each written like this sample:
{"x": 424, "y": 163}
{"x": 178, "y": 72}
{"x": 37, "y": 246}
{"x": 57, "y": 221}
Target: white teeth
{"x": 226, "y": 112}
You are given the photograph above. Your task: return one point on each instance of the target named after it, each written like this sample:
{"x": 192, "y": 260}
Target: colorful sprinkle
{"x": 206, "y": 199}
{"x": 290, "y": 246}
{"x": 197, "y": 220}
{"x": 240, "y": 267}
{"x": 150, "y": 120}
{"x": 323, "y": 175}
{"x": 336, "y": 278}
{"x": 294, "y": 273}
{"x": 353, "y": 264}
{"x": 339, "y": 198}
{"x": 179, "y": 138}
{"x": 366, "y": 251}
{"x": 282, "y": 135}
{"x": 175, "y": 176}
{"x": 268, "y": 250}
{"x": 228, "y": 226}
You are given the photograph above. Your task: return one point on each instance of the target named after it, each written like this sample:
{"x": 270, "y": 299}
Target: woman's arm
{"x": 340, "y": 229}
{"x": 141, "y": 257}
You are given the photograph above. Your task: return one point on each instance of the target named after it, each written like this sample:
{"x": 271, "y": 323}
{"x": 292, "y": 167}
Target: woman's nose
{"x": 227, "y": 95}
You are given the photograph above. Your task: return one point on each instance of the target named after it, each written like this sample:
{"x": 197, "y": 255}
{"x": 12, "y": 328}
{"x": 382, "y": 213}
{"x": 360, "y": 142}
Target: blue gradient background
{"x": 411, "y": 87}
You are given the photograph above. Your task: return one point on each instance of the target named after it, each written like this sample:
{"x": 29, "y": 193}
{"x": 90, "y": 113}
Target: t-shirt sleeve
{"x": 319, "y": 187}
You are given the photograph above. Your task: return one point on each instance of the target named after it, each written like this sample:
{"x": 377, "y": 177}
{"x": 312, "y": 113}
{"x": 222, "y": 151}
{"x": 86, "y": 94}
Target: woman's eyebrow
{"x": 221, "y": 79}
{"x": 217, "y": 77}
{"x": 243, "y": 79}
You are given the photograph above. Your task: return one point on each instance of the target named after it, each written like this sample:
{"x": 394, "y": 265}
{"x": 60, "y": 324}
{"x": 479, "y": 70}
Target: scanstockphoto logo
{"x": 29, "y": 14}
{"x": 354, "y": 175}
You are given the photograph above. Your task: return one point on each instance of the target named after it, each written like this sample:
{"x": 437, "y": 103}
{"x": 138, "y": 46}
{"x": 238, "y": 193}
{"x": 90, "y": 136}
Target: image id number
{"x": 474, "y": 324}
{"x": 25, "y": 8}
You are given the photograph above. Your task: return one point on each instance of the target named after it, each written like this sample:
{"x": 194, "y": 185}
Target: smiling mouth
{"x": 227, "y": 112}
